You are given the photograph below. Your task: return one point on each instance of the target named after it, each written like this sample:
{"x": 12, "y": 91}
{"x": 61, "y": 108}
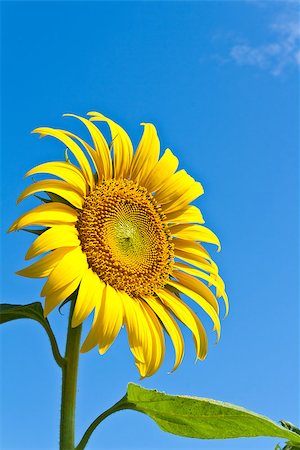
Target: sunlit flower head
{"x": 119, "y": 229}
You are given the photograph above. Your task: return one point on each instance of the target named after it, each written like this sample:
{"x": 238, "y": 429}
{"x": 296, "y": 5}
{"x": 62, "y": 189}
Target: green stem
{"x": 119, "y": 406}
{"x": 69, "y": 382}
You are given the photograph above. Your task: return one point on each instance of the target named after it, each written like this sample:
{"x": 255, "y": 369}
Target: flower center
{"x": 123, "y": 235}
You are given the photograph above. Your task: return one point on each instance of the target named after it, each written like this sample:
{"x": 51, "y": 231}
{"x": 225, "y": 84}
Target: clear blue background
{"x": 234, "y": 128}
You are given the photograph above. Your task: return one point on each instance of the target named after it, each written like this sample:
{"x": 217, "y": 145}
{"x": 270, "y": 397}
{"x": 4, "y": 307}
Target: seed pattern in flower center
{"x": 122, "y": 233}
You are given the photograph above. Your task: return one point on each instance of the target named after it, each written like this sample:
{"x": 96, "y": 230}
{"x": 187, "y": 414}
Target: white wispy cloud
{"x": 279, "y": 52}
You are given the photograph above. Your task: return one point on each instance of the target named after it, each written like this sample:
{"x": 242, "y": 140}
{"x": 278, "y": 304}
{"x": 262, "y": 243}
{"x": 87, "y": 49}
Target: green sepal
{"x": 203, "y": 418}
{"x": 35, "y": 312}
{"x": 38, "y": 232}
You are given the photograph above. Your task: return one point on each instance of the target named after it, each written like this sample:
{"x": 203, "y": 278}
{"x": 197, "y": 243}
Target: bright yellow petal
{"x": 103, "y": 159}
{"x": 90, "y": 293}
{"x": 195, "y": 233}
{"x": 65, "y": 170}
{"x": 187, "y": 316}
{"x": 178, "y": 203}
{"x": 192, "y": 248}
{"x": 46, "y": 215}
{"x": 44, "y": 266}
{"x": 178, "y": 185}
{"x": 123, "y": 151}
{"x": 201, "y": 301}
{"x": 162, "y": 171}
{"x": 52, "y": 301}
{"x": 156, "y": 343}
{"x": 146, "y": 155}
{"x": 73, "y": 147}
{"x": 213, "y": 280}
{"x": 189, "y": 214}
{"x": 133, "y": 319}
{"x": 56, "y": 237}
{"x": 198, "y": 262}
{"x": 107, "y": 322}
{"x": 58, "y": 187}
{"x": 171, "y": 327}
{"x": 197, "y": 286}
{"x": 71, "y": 266}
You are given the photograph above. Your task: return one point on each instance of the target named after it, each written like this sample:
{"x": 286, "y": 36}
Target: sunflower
{"x": 118, "y": 229}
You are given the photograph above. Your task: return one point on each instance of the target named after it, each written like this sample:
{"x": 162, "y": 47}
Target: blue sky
{"x": 220, "y": 82}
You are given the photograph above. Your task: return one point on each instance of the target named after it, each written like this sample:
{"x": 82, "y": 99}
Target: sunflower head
{"x": 119, "y": 227}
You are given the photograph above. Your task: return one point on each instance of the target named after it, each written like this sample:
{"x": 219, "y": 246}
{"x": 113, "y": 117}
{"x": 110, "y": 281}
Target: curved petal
{"x": 195, "y": 233}
{"x": 171, "y": 327}
{"x": 90, "y": 293}
{"x": 201, "y": 301}
{"x": 58, "y": 187}
{"x": 162, "y": 171}
{"x": 44, "y": 266}
{"x": 191, "y": 194}
{"x": 197, "y": 286}
{"x": 187, "y": 316}
{"x": 74, "y": 148}
{"x": 146, "y": 155}
{"x": 71, "y": 266}
{"x": 194, "y": 248}
{"x": 56, "y": 237}
{"x": 189, "y": 214}
{"x": 176, "y": 186}
{"x": 46, "y": 215}
{"x": 65, "y": 170}
{"x": 156, "y": 343}
{"x": 214, "y": 280}
{"x": 107, "y": 322}
{"x": 53, "y": 300}
{"x": 197, "y": 261}
{"x": 103, "y": 160}
{"x": 134, "y": 319}
{"x": 123, "y": 151}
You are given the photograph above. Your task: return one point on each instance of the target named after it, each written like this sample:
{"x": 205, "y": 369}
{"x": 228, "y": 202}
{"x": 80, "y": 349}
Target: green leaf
{"x": 35, "y": 312}
{"x": 203, "y": 418}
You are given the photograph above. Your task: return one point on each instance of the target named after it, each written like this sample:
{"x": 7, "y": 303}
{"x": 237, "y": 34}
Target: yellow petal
{"x": 156, "y": 343}
{"x": 191, "y": 194}
{"x": 58, "y": 187}
{"x": 60, "y": 295}
{"x": 196, "y": 261}
{"x": 187, "y": 316}
{"x": 44, "y": 266}
{"x": 74, "y": 148}
{"x": 90, "y": 293}
{"x": 65, "y": 170}
{"x": 213, "y": 280}
{"x": 171, "y": 327}
{"x": 195, "y": 233}
{"x": 197, "y": 286}
{"x": 146, "y": 155}
{"x": 123, "y": 151}
{"x": 103, "y": 160}
{"x": 107, "y": 322}
{"x": 193, "y": 248}
{"x": 134, "y": 319}
{"x": 162, "y": 171}
{"x": 71, "y": 266}
{"x": 46, "y": 215}
{"x": 201, "y": 301}
{"x": 56, "y": 237}
{"x": 178, "y": 185}
{"x": 190, "y": 214}
{"x": 111, "y": 313}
